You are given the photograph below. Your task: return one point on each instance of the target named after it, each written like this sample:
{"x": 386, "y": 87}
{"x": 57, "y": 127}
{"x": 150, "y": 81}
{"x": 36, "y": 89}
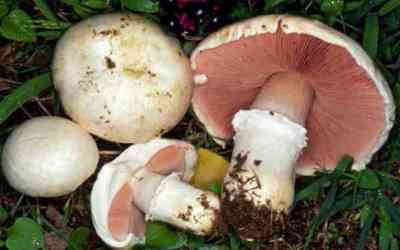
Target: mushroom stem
{"x": 261, "y": 176}
{"x": 268, "y": 140}
{"x": 145, "y": 186}
{"x": 169, "y": 199}
{"x": 287, "y": 94}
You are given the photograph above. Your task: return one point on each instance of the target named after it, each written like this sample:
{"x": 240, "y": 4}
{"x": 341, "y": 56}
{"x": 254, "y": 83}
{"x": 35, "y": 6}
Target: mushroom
{"x": 149, "y": 182}
{"x": 121, "y": 78}
{"x": 296, "y": 96}
{"x": 48, "y": 156}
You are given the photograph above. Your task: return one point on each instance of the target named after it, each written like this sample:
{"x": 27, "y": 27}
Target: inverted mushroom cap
{"x": 112, "y": 187}
{"x": 48, "y": 157}
{"x": 121, "y": 78}
{"x": 352, "y": 111}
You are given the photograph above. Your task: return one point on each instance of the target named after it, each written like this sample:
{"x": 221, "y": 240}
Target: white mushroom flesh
{"x": 169, "y": 199}
{"x": 122, "y": 78}
{"x": 263, "y": 160}
{"x": 48, "y": 157}
{"x": 149, "y": 181}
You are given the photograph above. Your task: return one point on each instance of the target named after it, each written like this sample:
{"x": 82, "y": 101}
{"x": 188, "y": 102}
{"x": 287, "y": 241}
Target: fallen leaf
{"x": 210, "y": 169}
{"x": 54, "y": 242}
{"x": 55, "y": 217}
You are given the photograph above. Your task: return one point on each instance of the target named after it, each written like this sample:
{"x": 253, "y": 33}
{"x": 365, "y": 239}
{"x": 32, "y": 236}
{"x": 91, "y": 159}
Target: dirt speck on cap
{"x": 112, "y": 32}
{"x": 109, "y": 63}
{"x": 257, "y": 162}
{"x": 151, "y": 74}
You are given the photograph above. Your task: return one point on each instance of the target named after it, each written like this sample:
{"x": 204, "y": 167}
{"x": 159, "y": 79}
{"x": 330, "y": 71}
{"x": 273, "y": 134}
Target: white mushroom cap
{"x": 48, "y": 157}
{"x": 121, "y": 78}
{"x": 114, "y": 175}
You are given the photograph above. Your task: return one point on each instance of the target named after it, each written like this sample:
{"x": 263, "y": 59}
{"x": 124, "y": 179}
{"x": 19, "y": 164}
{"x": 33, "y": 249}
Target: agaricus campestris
{"x": 48, "y": 157}
{"x": 121, "y": 78}
{"x": 149, "y": 182}
{"x": 297, "y": 96}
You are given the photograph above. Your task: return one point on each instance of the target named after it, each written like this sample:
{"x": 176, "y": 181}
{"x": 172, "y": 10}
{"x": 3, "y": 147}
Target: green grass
{"x": 339, "y": 210}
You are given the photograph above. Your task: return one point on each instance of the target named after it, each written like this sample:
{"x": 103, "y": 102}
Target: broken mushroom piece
{"x": 48, "y": 156}
{"x": 296, "y": 96}
{"x": 121, "y": 78}
{"x": 149, "y": 182}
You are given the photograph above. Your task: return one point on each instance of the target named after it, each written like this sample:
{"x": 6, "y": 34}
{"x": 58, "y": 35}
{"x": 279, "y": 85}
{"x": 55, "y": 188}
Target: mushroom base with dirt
{"x": 267, "y": 145}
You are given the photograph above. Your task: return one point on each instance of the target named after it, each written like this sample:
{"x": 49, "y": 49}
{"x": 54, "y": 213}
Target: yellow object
{"x": 210, "y": 168}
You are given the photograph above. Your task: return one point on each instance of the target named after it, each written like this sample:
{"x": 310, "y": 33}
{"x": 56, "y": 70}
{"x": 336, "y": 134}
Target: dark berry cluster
{"x": 195, "y": 17}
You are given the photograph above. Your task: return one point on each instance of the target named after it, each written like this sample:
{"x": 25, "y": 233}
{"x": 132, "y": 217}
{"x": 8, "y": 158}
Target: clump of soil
{"x": 258, "y": 223}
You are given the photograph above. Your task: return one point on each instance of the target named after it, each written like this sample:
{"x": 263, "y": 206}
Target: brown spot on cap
{"x": 151, "y": 73}
{"x": 113, "y": 32}
{"x": 110, "y": 63}
{"x": 257, "y": 162}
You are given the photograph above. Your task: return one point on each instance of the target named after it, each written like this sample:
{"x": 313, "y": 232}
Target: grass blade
{"x": 22, "y": 94}
{"x": 323, "y": 214}
{"x": 234, "y": 242}
{"x": 391, "y": 209}
{"x": 390, "y": 182}
{"x": 311, "y": 189}
{"x": 50, "y": 34}
{"x": 45, "y": 9}
{"x": 3, "y": 8}
{"x": 389, "y": 7}
{"x": 371, "y": 35}
{"x": 352, "y": 6}
{"x": 369, "y": 179}
{"x": 344, "y": 164}
{"x": 79, "y": 238}
{"x": 96, "y": 4}
{"x": 366, "y": 8}
{"x": 71, "y": 2}
{"x": 50, "y": 25}
{"x": 343, "y": 204}
{"x": 307, "y": 192}
{"x": 145, "y": 6}
{"x": 3, "y": 214}
{"x": 394, "y": 185}
{"x": 271, "y": 4}
{"x": 394, "y": 245}
{"x": 366, "y": 229}
{"x": 385, "y": 235}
